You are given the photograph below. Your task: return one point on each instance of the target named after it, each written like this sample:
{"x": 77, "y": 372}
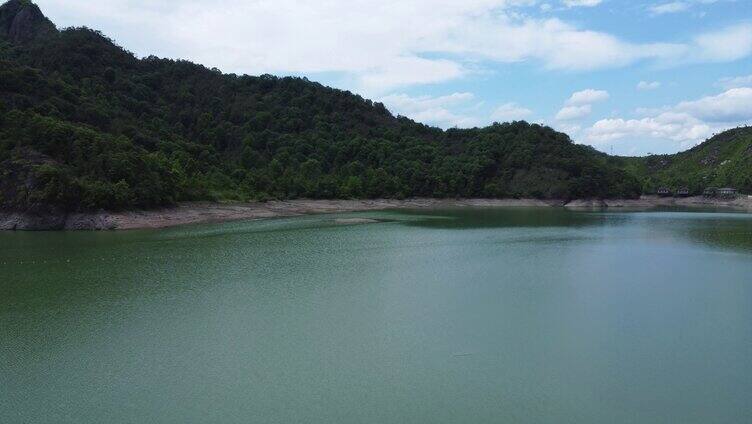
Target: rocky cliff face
{"x": 23, "y": 221}
{"x": 21, "y": 21}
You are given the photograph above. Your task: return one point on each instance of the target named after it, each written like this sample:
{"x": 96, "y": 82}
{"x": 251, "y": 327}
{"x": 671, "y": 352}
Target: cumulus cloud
{"x": 667, "y": 125}
{"x": 569, "y": 113}
{"x": 433, "y": 110}
{"x": 571, "y": 130}
{"x": 730, "y": 106}
{"x": 510, "y": 112}
{"x": 687, "y": 122}
{"x": 580, "y": 104}
{"x": 403, "y": 102}
{"x": 588, "y": 96}
{"x": 454, "y": 110}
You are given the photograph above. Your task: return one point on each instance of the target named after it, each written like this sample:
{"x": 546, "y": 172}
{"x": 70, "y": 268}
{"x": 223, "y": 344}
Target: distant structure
{"x": 728, "y": 193}
{"x": 664, "y": 192}
{"x": 722, "y": 193}
{"x": 710, "y": 192}
{"x": 682, "y": 192}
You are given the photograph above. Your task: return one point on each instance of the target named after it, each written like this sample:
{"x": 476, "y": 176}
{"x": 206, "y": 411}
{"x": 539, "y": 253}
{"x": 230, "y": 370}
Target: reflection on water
{"x": 727, "y": 233}
{"x": 714, "y": 229}
{"x": 468, "y": 218}
{"x": 457, "y": 315}
{"x": 717, "y": 229}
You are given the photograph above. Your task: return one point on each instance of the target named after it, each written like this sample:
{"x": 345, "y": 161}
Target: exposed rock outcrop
{"x": 21, "y": 21}
{"x": 24, "y": 221}
{"x": 587, "y": 204}
{"x": 19, "y": 177}
{"x": 31, "y": 222}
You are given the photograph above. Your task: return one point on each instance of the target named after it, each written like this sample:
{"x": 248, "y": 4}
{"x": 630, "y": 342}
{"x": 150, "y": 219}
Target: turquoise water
{"x": 453, "y": 316}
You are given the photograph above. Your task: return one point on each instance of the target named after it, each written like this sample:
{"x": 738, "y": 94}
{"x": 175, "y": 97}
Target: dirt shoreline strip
{"x": 205, "y": 212}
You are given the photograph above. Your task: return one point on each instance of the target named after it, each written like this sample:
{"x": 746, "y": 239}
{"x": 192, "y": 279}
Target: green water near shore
{"x": 452, "y": 316}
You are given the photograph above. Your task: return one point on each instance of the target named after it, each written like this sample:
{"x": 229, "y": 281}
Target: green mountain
{"x": 85, "y": 125}
{"x": 723, "y": 161}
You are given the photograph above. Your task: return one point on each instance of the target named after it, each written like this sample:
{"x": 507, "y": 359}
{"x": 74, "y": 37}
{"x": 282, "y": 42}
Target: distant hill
{"x": 86, "y": 125}
{"x": 722, "y": 161}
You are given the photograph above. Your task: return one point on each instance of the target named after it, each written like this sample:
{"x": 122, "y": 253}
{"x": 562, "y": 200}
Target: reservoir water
{"x": 448, "y": 316}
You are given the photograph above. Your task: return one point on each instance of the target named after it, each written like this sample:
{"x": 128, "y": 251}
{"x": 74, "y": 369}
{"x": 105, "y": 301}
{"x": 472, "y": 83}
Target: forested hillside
{"x": 85, "y": 124}
{"x": 723, "y": 161}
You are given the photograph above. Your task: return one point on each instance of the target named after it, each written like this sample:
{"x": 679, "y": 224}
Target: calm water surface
{"x": 456, "y": 316}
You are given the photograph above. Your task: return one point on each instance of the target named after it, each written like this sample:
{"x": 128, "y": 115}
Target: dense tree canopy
{"x": 723, "y": 161}
{"x": 85, "y": 124}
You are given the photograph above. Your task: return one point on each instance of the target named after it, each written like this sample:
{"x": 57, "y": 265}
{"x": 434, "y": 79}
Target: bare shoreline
{"x": 206, "y": 212}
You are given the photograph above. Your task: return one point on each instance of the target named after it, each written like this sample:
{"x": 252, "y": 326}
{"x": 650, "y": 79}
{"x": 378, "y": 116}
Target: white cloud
{"x": 728, "y": 44}
{"x": 588, "y": 96}
{"x": 453, "y": 110}
{"x": 375, "y": 47}
{"x": 444, "y": 118}
{"x": 556, "y": 44}
{"x": 730, "y": 106}
{"x": 569, "y": 113}
{"x": 408, "y": 71}
{"x": 645, "y": 85}
{"x": 668, "y": 125}
{"x": 688, "y": 122}
{"x": 581, "y": 3}
{"x": 433, "y": 110}
{"x": 569, "y": 129}
{"x": 678, "y": 6}
{"x": 735, "y": 82}
{"x": 580, "y": 104}
{"x": 673, "y": 7}
{"x": 405, "y": 103}
{"x": 510, "y": 112}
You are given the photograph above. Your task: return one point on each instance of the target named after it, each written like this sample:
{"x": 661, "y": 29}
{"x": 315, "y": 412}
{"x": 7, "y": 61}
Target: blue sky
{"x": 631, "y": 77}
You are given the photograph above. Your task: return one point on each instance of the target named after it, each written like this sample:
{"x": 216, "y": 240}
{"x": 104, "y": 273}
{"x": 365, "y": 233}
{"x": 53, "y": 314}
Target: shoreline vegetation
{"x": 208, "y": 212}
